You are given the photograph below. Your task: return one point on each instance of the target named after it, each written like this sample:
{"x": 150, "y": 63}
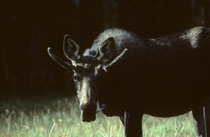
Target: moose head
{"x": 87, "y": 69}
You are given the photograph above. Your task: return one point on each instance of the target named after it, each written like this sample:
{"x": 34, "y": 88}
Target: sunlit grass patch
{"x": 61, "y": 118}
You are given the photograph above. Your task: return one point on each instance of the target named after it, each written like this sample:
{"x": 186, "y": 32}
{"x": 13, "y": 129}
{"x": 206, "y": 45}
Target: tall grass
{"x": 61, "y": 118}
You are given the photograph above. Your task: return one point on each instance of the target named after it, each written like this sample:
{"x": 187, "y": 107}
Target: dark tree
{"x": 29, "y": 27}
{"x": 155, "y": 18}
{"x": 91, "y": 21}
{"x": 207, "y": 12}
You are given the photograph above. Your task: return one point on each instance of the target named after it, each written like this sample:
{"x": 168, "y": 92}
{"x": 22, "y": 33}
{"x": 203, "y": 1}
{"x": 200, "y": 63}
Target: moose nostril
{"x": 87, "y": 116}
{"x": 88, "y": 112}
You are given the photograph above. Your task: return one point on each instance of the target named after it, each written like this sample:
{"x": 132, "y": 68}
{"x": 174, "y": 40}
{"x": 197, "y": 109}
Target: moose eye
{"x": 76, "y": 78}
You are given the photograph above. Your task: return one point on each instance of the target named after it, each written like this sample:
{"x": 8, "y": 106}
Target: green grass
{"x": 61, "y": 118}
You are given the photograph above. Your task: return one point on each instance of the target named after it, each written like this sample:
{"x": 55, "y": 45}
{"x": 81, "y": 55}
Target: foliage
{"x": 60, "y": 118}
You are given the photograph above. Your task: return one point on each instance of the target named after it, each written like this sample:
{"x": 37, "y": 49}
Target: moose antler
{"x": 61, "y": 62}
{"x": 115, "y": 59}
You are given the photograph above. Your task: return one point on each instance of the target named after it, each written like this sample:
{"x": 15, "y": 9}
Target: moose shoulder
{"x": 129, "y": 74}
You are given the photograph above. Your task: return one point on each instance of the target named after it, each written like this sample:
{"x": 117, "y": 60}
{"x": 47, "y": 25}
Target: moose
{"x": 129, "y": 75}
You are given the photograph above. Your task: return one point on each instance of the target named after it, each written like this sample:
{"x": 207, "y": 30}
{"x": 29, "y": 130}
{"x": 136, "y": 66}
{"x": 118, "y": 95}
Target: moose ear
{"x": 107, "y": 46}
{"x": 70, "y": 48}
{"x": 106, "y": 50}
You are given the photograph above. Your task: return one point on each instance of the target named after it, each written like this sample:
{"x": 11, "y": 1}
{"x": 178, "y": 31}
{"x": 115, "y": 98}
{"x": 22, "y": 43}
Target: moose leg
{"x": 207, "y": 118}
{"x": 199, "y": 116}
{"x": 133, "y": 124}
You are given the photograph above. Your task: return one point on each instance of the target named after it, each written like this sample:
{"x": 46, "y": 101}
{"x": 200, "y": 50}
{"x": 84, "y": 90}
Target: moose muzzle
{"x": 88, "y": 112}
{"x": 88, "y": 100}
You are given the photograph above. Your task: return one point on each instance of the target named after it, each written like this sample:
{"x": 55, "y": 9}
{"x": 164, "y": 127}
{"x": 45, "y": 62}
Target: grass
{"x": 61, "y": 118}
